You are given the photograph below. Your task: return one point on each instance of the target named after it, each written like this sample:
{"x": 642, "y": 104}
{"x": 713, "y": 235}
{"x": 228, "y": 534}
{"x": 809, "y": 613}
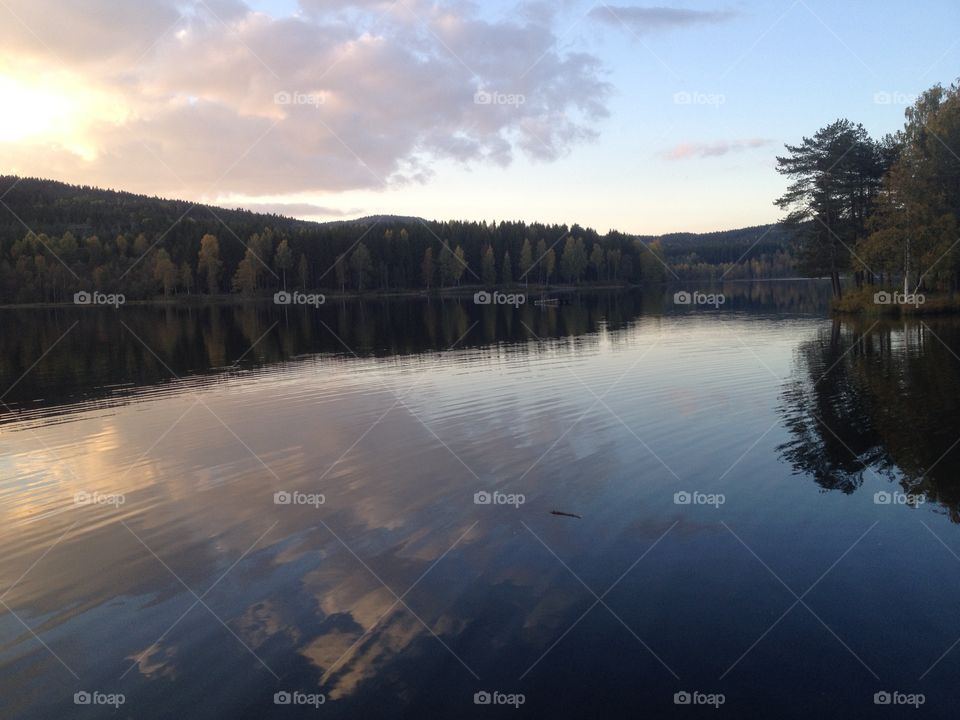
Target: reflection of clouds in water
{"x": 351, "y": 658}
{"x": 352, "y": 602}
{"x": 156, "y": 661}
{"x": 50, "y": 467}
{"x": 393, "y": 636}
{"x": 348, "y": 601}
{"x": 264, "y": 621}
{"x": 357, "y": 595}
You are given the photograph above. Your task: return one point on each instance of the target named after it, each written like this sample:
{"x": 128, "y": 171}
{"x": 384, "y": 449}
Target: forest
{"x": 57, "y": 239}
{"x": 764, "y": 251}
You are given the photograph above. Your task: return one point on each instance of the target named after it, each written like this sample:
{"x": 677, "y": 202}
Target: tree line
{"x": 147, "y": 247}
{"x": 883, "y": 211}
{"x": 764, "y": 251}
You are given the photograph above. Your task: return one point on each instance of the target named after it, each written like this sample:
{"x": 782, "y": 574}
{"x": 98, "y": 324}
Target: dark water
{"x": 788, "y": 584}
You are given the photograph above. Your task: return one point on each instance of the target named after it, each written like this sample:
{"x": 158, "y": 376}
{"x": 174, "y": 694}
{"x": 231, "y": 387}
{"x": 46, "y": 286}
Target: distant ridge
{"x": 366, "y": 219}
{"x": 49, "y": 206}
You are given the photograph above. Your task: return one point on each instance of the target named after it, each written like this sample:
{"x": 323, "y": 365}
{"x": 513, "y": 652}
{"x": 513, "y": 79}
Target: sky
{"x": 638, "y": 117}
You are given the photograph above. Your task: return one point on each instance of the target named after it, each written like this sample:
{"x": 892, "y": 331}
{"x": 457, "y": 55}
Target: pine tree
{"x": 303, "y": 272}
{"x": 526, "y": 260}
{"x": 488, "y": 271}
{"x": 360, "y": 263}
{"x": 427, "y": 270}
{"x": 506, "y": 270}
{"x": 541, "y": 260}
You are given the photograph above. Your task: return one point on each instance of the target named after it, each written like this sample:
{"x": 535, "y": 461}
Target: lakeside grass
{"x": 863, "y": 302}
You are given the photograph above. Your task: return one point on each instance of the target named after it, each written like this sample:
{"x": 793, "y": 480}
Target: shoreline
{"x": 864, "y": 302}
{"x": 232, "y": 299}
{"x": 462, "y": 291}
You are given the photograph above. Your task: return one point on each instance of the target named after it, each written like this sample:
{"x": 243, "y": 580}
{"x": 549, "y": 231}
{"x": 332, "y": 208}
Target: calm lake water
{"x": 202, "y": 508}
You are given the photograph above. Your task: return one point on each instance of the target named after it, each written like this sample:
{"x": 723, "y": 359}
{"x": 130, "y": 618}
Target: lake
{"x": 427, "y": 508}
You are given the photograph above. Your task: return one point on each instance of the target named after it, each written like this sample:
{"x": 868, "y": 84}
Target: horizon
{"x": 646, "y": 119}
{"x": 376, "y": 215}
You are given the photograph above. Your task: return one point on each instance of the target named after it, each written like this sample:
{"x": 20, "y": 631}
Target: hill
{"x": 57, "y": 239}
{"x": 760, "y": 251}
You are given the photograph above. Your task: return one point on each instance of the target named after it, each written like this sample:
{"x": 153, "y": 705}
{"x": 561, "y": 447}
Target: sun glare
{"x": 55, "y": 111}
{"x": 31, "y": 111}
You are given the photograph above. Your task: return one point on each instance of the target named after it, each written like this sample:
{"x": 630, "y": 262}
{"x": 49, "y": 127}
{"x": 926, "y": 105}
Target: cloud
{"x": 685, "y": 151}
{"x": 642, "y": 20}
{"x": 348, "y": 95}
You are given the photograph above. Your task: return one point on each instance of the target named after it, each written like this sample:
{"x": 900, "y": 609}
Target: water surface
{"x": 145, "y": 553}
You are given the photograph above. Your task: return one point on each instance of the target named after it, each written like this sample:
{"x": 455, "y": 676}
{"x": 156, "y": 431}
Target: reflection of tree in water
{"x": 878, "y": 398}
{"x": 108, "y": 354}
{"x": 829, "y": 418}
{"x": 99, "y": 359}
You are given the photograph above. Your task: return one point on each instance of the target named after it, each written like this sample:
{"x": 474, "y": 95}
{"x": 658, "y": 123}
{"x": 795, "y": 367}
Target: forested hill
{"x": 770, "y": 237}
{"x": 58, "y": 239}
{"x": 53, "y": 208}
{"x": 760, "y": 251}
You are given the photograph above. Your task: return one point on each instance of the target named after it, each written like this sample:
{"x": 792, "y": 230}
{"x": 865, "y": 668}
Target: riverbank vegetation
{"x": 884, "y": 212}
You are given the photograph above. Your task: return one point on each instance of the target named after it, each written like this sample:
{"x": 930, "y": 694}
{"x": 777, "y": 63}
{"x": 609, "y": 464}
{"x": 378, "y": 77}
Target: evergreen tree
{"x": 488, "y": 271}
{"x": 540, "y": 260}
{"x": 506, "y": 270}
{"x": 303, "y": 272}
{"x": 596, "y": 261}
{"x": 360, "y": 264}
{"x": 427, "y": 270}
{"x": 526, "y": 260}
{"x": 836, "y": 176}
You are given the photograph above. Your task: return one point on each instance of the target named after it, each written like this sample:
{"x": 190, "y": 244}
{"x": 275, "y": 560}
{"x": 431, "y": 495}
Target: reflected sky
{"x": 179, "y": 581}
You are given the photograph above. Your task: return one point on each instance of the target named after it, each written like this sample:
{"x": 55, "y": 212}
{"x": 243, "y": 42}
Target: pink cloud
{"x": 685, "y": 151}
